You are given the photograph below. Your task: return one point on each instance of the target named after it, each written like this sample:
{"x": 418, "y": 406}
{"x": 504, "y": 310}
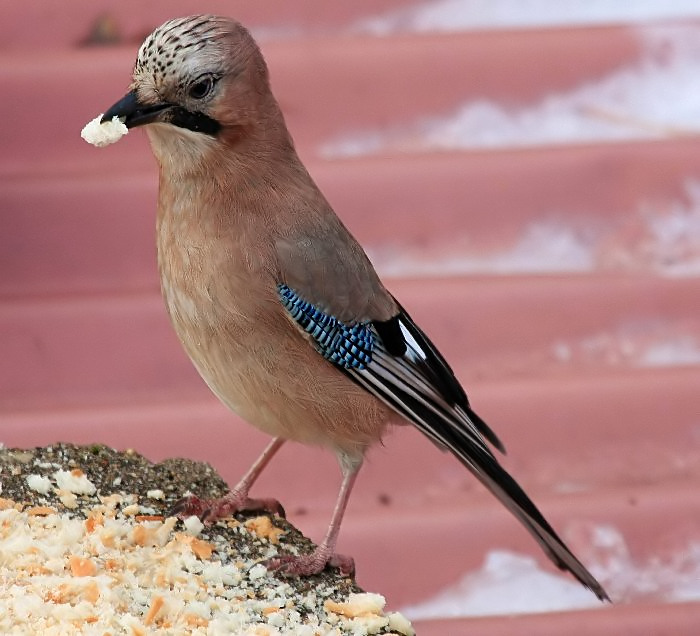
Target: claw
{"x": 345, "y": 564}
{"x": 310, "y": 564}
{"x": 211, "y": 510}
{"x": 186, "y": 507}
{"x": 272, "y": 506}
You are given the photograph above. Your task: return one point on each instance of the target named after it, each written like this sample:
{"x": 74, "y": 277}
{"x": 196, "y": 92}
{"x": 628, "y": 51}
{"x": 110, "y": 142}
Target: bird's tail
{"x": 413, "y": 378}
{"x": 487, "y": 469}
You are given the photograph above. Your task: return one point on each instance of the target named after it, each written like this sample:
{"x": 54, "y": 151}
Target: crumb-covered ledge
{"x": 85, "y": 543}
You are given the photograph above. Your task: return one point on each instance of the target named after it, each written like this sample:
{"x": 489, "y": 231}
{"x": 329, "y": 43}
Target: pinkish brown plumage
{"x": 275, "y": 302}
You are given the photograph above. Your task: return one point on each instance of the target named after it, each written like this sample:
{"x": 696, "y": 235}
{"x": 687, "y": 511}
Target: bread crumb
{"x": 192, "y": 620}
{"x": 370, "y": 624}
{"x": 131, "y": 510}
{"x": 91, "y": 593}
{"x": 193, "y": 525}
{"x": 80, "y": 566}
{"x": 257, "y": 572}
{"x": 201, "y": 549}
{"x": 118, "y": 567}
{"x": 264, "y": 528}
{"x": 149, "y": 518}
{"x": 100, "y": 134}
{"x": 363, "y": 604}
{"x": 74, "y": 481}
{"x": 93, "y": 520}
{"x": 40, "y": 511}
{"x": 156, "y": 605}
{"x": 111, "y": 501}
{"x": 6, "y": 504}
{"x": 154, "y": 534}
{"x": 39, "y": 483}
{"x": 68, "y": 499}
{"x": 122, "y": 576}
{"x": 399, "y": 623}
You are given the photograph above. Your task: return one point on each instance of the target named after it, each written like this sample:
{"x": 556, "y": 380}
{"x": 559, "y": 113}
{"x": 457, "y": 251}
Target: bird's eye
{"x": 202, "y": 86}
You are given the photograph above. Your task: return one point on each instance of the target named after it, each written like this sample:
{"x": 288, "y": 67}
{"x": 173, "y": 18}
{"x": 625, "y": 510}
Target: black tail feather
{"x": 417, "y": 383}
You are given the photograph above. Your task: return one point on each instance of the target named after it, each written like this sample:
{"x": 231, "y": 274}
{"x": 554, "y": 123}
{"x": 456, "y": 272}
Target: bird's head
{"x": 196, "y": 79}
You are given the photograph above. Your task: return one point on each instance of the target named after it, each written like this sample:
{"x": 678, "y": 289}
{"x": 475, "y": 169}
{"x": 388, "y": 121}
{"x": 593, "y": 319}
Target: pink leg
{"x": 235, "y": 500}
{"x": 308, "y": 564}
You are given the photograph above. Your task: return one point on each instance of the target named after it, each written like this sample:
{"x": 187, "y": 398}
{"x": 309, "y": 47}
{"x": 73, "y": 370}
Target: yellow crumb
{"x": 82, "y": 566}
{"x": 264, "y": 528}
{"x": 156, "y": 605}
{"x": 40, "y": 511}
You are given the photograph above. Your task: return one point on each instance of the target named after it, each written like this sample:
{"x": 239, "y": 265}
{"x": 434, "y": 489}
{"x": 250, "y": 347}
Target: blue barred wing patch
{"x": 349, "y": 345}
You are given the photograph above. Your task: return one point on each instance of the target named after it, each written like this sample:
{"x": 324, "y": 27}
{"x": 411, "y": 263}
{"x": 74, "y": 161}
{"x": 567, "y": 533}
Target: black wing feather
{"x": 443, "y": 378}
{"x": 420, "y": 386}
{"x": 395, "y": 361}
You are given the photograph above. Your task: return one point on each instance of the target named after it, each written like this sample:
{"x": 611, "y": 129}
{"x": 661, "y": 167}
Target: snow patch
{"x": 662, "y": 240}
{"x": 645, "y": 344}
{"x": 510, "y": 583}
{"x": 677, "y": 351}
{"x": 545, "y": 247}
{"x": 655, "y": 98}
{"x": 507, "y": 583}
{"x": 467, "y": 15}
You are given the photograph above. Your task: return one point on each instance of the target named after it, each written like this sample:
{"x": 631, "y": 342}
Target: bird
{"x": 275, "y": 302}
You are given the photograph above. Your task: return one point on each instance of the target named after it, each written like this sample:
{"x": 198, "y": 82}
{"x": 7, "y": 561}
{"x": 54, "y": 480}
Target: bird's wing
{"x": 329, "y": 267}
{"x": 394, "y": 360}
{"x": 325, "y": 271}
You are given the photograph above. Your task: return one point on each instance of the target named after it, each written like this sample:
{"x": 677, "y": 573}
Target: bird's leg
{"x": 316, "y": 561}
{"x": 236, "y": 499}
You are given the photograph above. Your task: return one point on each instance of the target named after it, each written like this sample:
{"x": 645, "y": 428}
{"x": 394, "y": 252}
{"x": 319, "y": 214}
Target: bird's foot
{"x": 310, "y": 564}
{"x": 211, "y": 510}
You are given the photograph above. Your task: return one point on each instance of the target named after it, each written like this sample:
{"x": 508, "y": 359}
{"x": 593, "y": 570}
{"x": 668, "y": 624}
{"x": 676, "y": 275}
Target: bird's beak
{"x": 134, "y": 113}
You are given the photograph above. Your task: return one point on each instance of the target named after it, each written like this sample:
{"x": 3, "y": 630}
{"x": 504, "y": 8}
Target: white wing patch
{"x": 411, "y": 341}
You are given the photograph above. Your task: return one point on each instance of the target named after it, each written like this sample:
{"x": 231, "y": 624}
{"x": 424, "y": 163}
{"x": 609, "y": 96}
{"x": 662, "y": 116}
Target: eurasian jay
{"x": 273, "y": 299}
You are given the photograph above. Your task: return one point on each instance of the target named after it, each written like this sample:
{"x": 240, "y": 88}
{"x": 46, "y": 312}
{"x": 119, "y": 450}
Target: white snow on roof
{"x": 663, "y": 240}
{"x": 465, "y": 15}
{"x": 656, "y": 97}
{"x": 510, "y": 583}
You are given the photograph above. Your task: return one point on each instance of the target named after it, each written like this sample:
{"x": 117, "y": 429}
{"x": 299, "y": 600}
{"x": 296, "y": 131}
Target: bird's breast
{"x": 220, "y": 301}
{"x": 210, "y": 279}
{"x": 224, "y": 306}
